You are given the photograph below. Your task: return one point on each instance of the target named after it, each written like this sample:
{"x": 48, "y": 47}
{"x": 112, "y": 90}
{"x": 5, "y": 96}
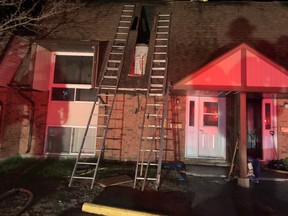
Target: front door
{"x": 269, "y": 129}
{"x": 205, "y": 128}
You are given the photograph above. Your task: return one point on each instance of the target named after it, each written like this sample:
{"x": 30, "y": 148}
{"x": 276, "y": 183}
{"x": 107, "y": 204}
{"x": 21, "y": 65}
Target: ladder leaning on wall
{"x": 104, "y": 100}
{"x": 152, "y": 136}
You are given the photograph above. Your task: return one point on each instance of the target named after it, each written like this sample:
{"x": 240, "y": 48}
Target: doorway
{"x": 254, "y": 128}
{"x": 205, "y": 127}
{"x": 261, "y": 133}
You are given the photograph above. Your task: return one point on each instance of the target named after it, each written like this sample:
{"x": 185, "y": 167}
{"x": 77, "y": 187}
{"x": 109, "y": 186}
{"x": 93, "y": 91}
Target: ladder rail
{"x": 107, "y": 108}
{"x": 158, "y": 93}
{"x": 162, "y": 134}
{"x": 150, "y": 154}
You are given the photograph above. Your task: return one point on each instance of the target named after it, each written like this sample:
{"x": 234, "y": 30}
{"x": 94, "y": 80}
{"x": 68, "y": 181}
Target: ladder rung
{"x": 101, "y": 126}
{"x": 163, "y": 20}
{"x": 122, "y": 33}
{"x": 150, "y": 138}
{"x": 116, "y": 53}
{"x": 155, "y": 94}
{"x": 157, "y": 85}
{"x": 114, "y": 61}
{"x": 161, "y": 46}
{"x": 108, "y": 87}
{"x": 124, "y": 21}
{"x": 126, "y": 15}
{"x": 162, "y": 15}
{"x": 153, "y": 115}
{"x": 161, "y": 39}
{"x": 159, "y": 61}
{"x": 160, "y": 53}
{"x": 148, "y": 179}
{"x": 110, "y": 77}
{"x": 113, "y": 68}
{"x": 157, "y": 77}
{"x": 118, "y": 46}
{"x": 104, "y": 105}
{"x": 163, "y": 27}
{"x": 152, "y": 126}
{"x": 158, "y": 68}
{"x": 162, "y": 33}
{"x": 86, "y": 163}
{"x": 120, "y": 39}
{"x": 154, "y": 105}
{"x": 82, "y": 177}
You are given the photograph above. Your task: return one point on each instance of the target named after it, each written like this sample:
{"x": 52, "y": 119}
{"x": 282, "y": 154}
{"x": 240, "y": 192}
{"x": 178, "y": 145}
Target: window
{"x": 73, "y": 77}
{"x": 85, "y": 94}
{"x": 73, "y": 94}
{"x": 63, "y": 94}
{"x": 191, "y": 113}
{"x": 68, "y": 140}
{"x": 267, "y": 116}
{"x": 73, "y": 69}
{"x": 210, "y": 114}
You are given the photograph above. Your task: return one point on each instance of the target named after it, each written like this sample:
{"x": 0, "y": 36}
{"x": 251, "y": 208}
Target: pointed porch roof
{"x": 240, "y": 69}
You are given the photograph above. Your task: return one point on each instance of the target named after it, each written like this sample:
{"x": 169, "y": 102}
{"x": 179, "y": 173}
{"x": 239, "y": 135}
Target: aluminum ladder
{"x": 152, "y": 135}
{"x": 104, "y": 101}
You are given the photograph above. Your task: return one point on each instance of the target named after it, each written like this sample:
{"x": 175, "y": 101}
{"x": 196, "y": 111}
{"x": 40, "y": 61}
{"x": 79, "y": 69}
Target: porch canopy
{"x": 242, "y": 69}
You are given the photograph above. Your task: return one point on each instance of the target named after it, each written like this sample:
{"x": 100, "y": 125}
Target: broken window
{"x": 144, "y": 24}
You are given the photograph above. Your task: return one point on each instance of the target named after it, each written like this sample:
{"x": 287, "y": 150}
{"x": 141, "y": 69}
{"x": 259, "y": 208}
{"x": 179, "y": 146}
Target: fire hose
{"x": 15, "y": 191}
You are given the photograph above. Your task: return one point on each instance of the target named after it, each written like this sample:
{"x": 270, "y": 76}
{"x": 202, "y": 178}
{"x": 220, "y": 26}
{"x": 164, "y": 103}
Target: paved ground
{"x": 205, "y": 191}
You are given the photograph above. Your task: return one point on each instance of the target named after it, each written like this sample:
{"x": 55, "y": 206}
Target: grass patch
{"x": 14, "y": 163}
{"x": 40, "y": 168}
{"x": 34, "y": 168}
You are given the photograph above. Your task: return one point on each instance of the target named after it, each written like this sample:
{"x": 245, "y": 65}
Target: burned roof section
{"x": 200, "y": 32}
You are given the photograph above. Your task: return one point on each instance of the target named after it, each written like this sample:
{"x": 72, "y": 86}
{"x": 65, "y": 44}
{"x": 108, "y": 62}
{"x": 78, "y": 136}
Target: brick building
{"x": 226, "y": 71}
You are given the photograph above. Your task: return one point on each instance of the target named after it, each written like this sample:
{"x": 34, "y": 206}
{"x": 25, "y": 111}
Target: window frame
{"x": 75, "y": 87}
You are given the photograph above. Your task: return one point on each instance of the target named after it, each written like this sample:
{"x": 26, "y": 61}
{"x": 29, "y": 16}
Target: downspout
{"x": 31, "y": 118}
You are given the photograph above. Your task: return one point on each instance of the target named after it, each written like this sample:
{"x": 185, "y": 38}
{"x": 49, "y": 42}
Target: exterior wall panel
{"x": 42, "y": 69}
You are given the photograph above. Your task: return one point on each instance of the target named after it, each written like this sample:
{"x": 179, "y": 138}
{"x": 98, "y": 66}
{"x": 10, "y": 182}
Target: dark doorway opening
{"x": 254, "y": 128}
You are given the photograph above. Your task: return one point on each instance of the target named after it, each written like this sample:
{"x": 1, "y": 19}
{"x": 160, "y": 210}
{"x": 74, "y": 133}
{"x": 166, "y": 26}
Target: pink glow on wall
{"x": 42, "y": 69}
{"x": 78, "y": 113}
{"x": 13, "y": 59}
{"x": 263, "y": 73}
{"x": 225, "y": 72}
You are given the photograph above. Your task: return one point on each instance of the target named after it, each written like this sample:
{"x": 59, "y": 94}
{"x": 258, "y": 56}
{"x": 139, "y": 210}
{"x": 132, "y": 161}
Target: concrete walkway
{"x": 222, "y": 172}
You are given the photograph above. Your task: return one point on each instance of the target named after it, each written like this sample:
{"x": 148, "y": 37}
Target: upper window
{"x": 73, "y": 69}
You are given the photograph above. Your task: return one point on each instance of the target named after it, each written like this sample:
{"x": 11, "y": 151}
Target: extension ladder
{"x": 104, "y": 101}
{"x": 152, "y": 136}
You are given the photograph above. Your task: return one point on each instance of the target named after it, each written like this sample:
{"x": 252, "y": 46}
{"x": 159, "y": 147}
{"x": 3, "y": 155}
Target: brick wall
{"x": 3, "y": 97}
{"x": 16, "y": 123}
{"x": 124, "y": 144}
{"x": 282, "y": 124}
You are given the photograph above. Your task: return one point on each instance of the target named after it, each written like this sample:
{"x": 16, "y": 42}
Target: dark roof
{"x": 200, "y": 32}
